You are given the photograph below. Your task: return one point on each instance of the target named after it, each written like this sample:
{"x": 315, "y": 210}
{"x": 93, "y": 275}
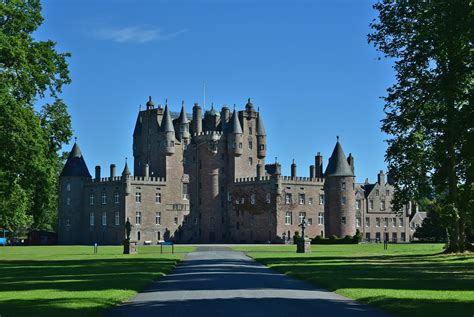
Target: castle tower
{"x": 261, "y": 139}
{"x": 197, "y": 119}
{"x": 339, "y": 206}
{"x": 168, "y": 132}
{"x": 71, "y": 180}
{"x": 235, "y": 146}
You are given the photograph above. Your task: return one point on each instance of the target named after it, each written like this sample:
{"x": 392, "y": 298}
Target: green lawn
{"x": 72, "y": 281}
{"x": 408, "y": 279}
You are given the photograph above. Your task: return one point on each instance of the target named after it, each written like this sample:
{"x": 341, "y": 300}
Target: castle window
{"x": 262, "y": 147}
{"x": 68, "y": 187}
{"x": 310, "y": 221}
{"x": 387, "y": 192}
{"x": 377, "y": 222}
{"x": 242, "y": 200}
{"x": 403, "y": 237}
{"x": 394, "y": 222}
{"x": 376, "y": 192}
{"x": 252, "y": 199}
{"x": 310, "y": 201}
{"x": 301, "y": 216}
{"x": 321, "y": 199}
{"x": 250, "y": 130}
{"x": 400, "y": 222}
{"x": 382, "y": 205}
{"x": 358, "y": 204}
{"x": 343, "y": 200}
{"x": 250, "y": 145}
{"x": 371, "y": 204}
{"x": 104, "y": 218}
{"x": 185, "y": 191}
{"x": 117, "y": 197}
{"x": 288, "y": 199}
{"x": 104, "y": 198}
{"x": 367, "y": 236}
{"x": 377, "y": 236}
{"x": 320, "y": 218}
{"x": 343, "y": 220}
{"x": 68, "y": 201}
{"x": 91, "y": 219}
{"x": 367, "y": 221}
{"x": 91, "y": 199}
{"x": 138, "y": 197}
{"x": 158, "y": 218}
{"x": 138, "y": 218}
{"x": 117, "y": 218}
{"x": 343, "y": 186}
{"x": 268, "y": 198}
{"x": 358, "y": 222}
{"x": 250, "y": 161}
{"x": 301, "y": 199}
{"x": 288, "y": 218}
{"x": 240, "y": 145}
{"x": 385, "y": 222}
{"x": 68, "y": 222}
{"x": 138, "y": 236}
{"x": 229, "y": 196}
{"x": 157, "y": 198}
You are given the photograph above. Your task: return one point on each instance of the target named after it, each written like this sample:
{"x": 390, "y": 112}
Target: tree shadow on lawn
{"x": 73, "y": 276}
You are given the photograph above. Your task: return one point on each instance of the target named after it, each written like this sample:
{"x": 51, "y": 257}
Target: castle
{"x": 204, "y": 180}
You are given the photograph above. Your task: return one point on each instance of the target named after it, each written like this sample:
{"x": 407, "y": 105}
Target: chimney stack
{"x": 112, "y": 171}
{"x": 293, "y": 169}
{"x": 97, "y": 172}
{"x": 311, "y": 171}
{"x": 381, "y": 178}
{"x": 318, "y": 166}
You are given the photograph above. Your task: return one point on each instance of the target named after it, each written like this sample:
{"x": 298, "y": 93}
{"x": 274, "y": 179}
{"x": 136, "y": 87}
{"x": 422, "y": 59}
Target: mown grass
{"x": 73, "y": 281}
{"x": 407, "y": 279}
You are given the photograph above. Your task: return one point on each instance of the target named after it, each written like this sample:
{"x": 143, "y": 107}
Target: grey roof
{"x": 166, "y": 124}
{"x": 235, "y": 127}
{"x": 338, "y": 165}
{"x": 183, "y": 118}
{"x": 260, "y": 127}
{"x": 126, "y": 171}
{"x": 138, "y": 125}
{"x": 75, "y": 165}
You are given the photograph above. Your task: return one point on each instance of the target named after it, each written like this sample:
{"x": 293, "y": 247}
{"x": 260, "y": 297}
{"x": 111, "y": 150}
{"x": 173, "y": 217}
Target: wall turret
{"x": 126, "y": 177}
{"x": 318, "y": 166}
{"x": 293, "y": 169}
{"x": 183, "y": 124}
{"x": 339, "y": 206}
{"x": 261, "y": 138}
{"x": 235, "y": 146}
{"x": 168, "y": 132}
{"x": 197, "y": 119}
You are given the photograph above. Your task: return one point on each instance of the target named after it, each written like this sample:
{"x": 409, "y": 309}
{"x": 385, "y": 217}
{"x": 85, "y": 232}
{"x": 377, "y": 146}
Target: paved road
{"x": 215, "y": 281}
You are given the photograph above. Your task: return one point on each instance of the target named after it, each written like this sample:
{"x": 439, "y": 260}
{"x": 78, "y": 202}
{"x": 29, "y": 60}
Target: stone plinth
{"x": 129, "y": 246}
{"x": 303, "y": 245}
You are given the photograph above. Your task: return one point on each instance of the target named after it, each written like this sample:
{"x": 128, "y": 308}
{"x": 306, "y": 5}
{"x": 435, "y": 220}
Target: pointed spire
{"x": 183, "y": 118}
{"x": 166, "y": 123}
{"x": 338, "y": 165}
{"x": 235, "y": 127}
{"x": 75, "y": 165}
{"x": 126, "y": 171}
{"x": 260, "y": 126}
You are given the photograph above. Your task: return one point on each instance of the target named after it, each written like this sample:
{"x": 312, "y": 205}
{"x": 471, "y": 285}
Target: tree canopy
{"x": 429, "y": 110}
{"x": 30, "y": 139}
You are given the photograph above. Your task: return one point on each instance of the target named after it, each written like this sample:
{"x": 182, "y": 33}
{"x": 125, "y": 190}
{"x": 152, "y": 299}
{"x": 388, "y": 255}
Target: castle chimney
{"x": 381, "y": 178}
{"x": 97, "y": 172}
{"x": 311, "y": 171}
{"x": 293, "y": 169}
{"x": 350, "y": 161}
{"x": 318, "y": 166}
{"x": 147, "y": 170}
{"x": 197, "y": 119}
{"x": 277, "y": 169}
{"x": 112, "y": 171}
{"x": 225, "y": 116}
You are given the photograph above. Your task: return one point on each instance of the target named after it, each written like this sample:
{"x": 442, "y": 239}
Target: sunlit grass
{"x": 406, "y": 279}
{"x": 73, "y": 281}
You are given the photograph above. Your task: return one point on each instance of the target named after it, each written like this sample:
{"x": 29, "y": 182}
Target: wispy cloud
{"x": 135, "y": 34}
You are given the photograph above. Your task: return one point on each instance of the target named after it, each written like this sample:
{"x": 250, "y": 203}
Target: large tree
{"x": 429, "y": 110}
{"x": 31, "y": 131}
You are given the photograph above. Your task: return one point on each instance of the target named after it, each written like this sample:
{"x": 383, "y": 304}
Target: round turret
{"x": 235, "y": 136}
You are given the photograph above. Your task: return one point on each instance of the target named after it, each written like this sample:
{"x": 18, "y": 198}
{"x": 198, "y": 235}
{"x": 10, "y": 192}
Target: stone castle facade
{"x": 204, "y": 179}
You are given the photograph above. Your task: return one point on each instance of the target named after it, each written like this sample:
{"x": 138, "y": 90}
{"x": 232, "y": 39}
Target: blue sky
{"x": 306, "y": 64}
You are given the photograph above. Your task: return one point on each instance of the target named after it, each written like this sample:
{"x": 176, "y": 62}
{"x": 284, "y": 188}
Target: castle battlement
{"x": 106, "y": 179}
{"x": 205, "y": 133}
{"x": 116, "y": 179}
{"x": 252, "y": 179}
{"x": 148, "y": 179}
{"x": 301, "y": 179}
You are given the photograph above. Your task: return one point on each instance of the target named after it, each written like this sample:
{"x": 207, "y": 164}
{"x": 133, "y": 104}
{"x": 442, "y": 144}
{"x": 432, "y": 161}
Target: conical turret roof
{"x": 260, "y": 127}
{"x": 338, "y": 165}
{"x": 183, "y": 118}
{"x": 166, "y": 123}
{"x": 235, "y": 127}
{"x": 126, "y": 171}
{"x": 75, "y": 165}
